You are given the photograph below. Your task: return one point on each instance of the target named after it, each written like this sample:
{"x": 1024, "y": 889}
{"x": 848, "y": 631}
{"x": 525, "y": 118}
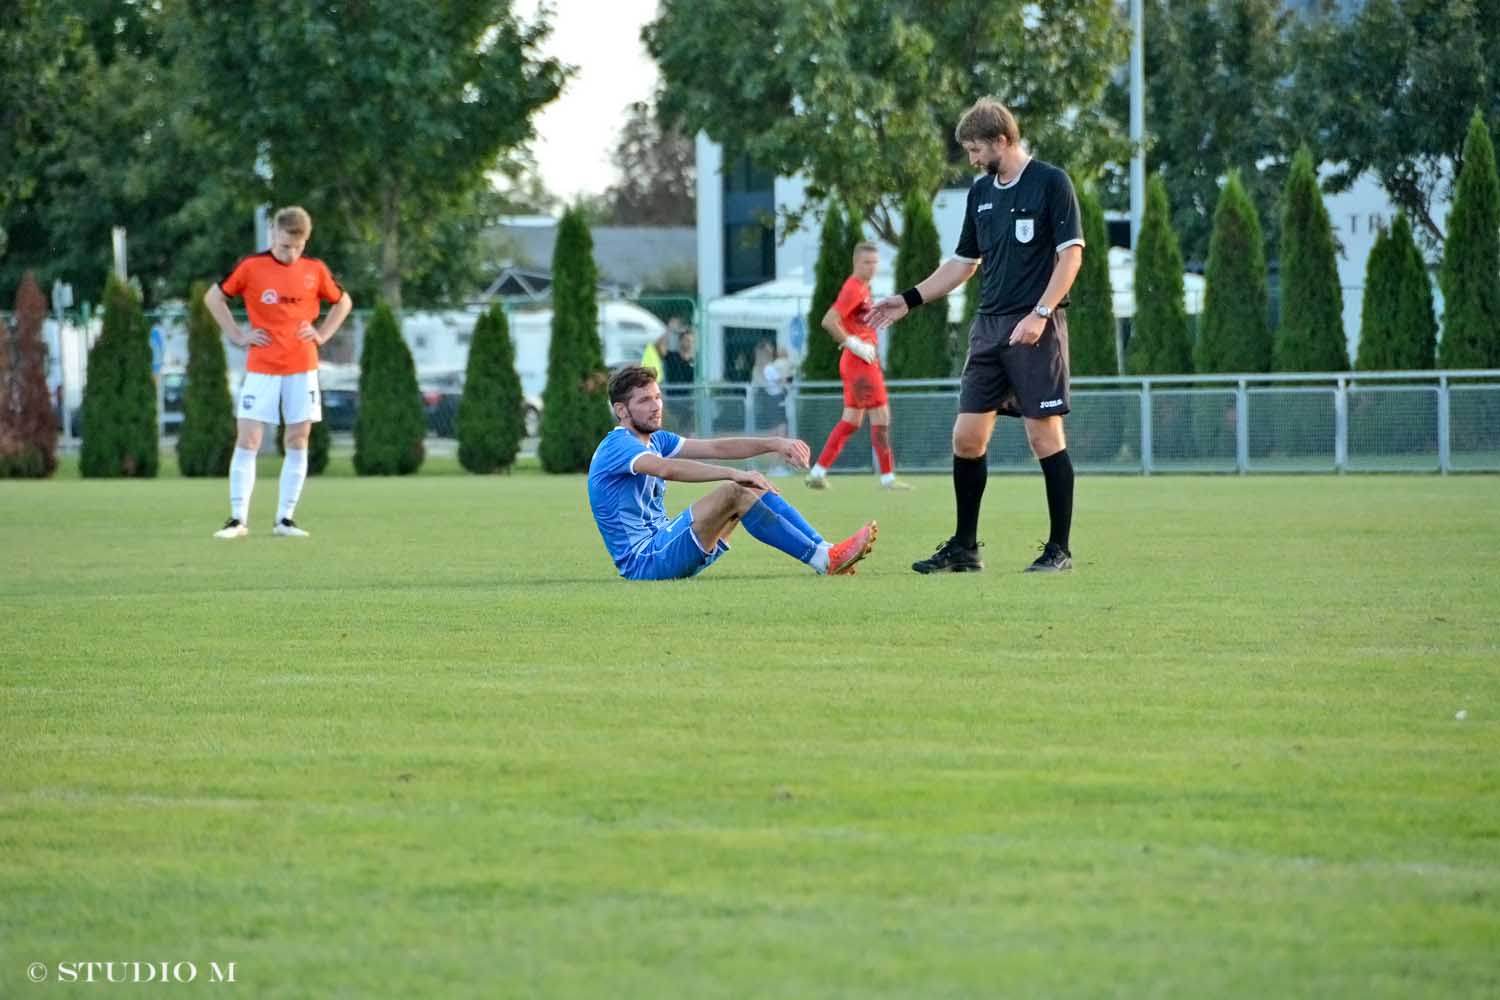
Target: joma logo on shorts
{"x": 1050, "y": 403}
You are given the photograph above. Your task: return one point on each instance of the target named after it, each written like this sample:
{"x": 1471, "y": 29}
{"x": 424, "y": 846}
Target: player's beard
{"x": 993, "y": 167}
{"x": 645, "y": 428}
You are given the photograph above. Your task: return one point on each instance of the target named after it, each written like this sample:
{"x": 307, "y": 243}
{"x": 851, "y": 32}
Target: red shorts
{"x": 864, "y": 385}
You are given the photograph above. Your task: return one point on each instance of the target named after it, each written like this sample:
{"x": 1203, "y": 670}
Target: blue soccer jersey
{"x": 628, "y": 506}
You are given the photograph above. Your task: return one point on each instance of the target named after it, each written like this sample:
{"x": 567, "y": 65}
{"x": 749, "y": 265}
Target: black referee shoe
{"x": 1054, "y": 559}
{"x": 951, "y": 557}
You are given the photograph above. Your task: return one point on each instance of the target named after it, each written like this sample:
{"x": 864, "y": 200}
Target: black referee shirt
{"x": 1017, "y": 230}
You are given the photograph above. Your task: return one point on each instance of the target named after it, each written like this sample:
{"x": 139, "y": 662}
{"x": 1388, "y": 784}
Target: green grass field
{"x": 439, "y": 750}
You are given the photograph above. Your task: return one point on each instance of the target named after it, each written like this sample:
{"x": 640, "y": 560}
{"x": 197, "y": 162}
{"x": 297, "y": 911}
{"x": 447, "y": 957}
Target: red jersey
{"x": 853, "y": 305}
{"x": 280, "y": 298}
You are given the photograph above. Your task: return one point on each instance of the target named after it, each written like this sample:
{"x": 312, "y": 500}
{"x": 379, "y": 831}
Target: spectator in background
{"x": 677, "y": 366}
{"x": 678, "y": 374}
{"x": 655, "y": 351}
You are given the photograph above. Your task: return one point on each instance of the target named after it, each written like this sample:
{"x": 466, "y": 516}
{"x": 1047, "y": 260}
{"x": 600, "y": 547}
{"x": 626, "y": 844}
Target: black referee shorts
{"x": 1020, "y": 381}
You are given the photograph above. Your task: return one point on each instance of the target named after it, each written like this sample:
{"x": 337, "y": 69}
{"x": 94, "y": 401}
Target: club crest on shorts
{"x": 1025, "y": 230}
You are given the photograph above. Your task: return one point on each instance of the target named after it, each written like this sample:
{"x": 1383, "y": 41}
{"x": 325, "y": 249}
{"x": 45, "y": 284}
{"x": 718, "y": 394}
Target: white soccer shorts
{"x": 272, "y": 398}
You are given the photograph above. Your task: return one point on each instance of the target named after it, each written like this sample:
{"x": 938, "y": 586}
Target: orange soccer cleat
{"x": 843, "y": 556}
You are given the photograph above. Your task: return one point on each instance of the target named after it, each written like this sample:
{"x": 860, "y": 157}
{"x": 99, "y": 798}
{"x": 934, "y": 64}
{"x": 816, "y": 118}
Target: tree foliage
{"x": 119, "y": 399}
{"x": 205, "y": 442}
{"x": 1470, "y": 275}
{"x": 575, "y": 404}
{"x": 28, "y": 424}
{"x": 413, "y": 116}
{"x": 919, "y": 345}
{"x": 657, "y": 164}
{"x": 1236, "y": 335}
{"x": 1390, "y": 90}
{"x": 491, "y": 418}
{"x": 862, "y": 98}
{"x": 1397, "y": 327}
{"x": 391, "y": 424}
{"x": 1091, "y": 318}
{"x": 835, "y": 258}
{"x": 1214, "y": 93}
{"x": 1161, "y": 342}
{"x": 1311, "y": 336}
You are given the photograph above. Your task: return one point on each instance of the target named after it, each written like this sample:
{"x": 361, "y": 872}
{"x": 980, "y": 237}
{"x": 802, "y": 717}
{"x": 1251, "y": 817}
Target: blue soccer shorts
{"x": 673, "y": 553}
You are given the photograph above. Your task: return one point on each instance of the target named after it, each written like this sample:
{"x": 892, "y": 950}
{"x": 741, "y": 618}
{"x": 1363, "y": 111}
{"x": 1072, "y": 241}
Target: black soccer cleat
{"x": 951, "y": 557}
{"x": 1054, "y": 559}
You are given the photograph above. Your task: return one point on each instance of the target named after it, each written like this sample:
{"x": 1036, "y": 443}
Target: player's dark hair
{"x": 986, "y": 121}
{"x": 627, "y": 380}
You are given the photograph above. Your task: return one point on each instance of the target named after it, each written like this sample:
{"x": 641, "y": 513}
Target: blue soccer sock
{"x": 765, "y": 525}
{"x": 778, "y": 503}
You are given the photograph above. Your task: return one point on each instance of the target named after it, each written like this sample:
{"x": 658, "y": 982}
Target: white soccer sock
{"x": 241, "y": 482}
{"x": 293, "y": 475}
{"x": 887, "y": 478}
{"x": 819, "y": 561}
{"x": 817, "y": 472}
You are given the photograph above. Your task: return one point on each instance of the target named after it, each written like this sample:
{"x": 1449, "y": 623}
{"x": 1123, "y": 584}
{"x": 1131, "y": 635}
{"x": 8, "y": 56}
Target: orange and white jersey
{"x": 280, "y": 298}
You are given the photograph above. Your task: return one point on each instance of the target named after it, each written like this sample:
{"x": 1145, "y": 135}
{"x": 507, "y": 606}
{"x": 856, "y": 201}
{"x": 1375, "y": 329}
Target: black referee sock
{"x": 1058, "y": 471}
{"x": 969, "y": 478}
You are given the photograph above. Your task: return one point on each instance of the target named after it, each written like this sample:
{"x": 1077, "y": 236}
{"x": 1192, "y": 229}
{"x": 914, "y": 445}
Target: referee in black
{"x": 1022, "y": 227}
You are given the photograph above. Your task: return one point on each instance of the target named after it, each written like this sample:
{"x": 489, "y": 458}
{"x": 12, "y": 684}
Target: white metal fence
{"x": 1447, "y": 421}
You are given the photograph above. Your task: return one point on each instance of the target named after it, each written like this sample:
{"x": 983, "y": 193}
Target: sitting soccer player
{"x": 626, "y": 489}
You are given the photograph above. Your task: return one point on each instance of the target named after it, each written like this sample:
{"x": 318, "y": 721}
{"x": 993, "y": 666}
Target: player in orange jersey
{"x": 859, "y": 368}
{"x": 283, "y": 293}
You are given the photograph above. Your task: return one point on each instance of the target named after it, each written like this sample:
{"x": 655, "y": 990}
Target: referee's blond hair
{"x": 986, "y": 121}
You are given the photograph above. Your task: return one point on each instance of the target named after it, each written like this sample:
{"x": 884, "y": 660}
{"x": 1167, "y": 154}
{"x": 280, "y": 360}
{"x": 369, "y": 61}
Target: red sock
{"x": 836, "y": 439}
{"x": 880, "y": 437}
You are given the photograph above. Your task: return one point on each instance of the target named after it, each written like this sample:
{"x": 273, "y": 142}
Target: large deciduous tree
{"x": 1214, "y": 88}
{"x": 862, "y": 98}
{"x": 657, "y": 165}
{"x": 411, "y": 102}
{"x": 1390, "y": 90}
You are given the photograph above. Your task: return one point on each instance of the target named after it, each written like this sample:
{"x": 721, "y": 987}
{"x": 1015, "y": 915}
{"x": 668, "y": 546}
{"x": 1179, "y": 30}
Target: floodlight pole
{"x": 1137, "y": 119}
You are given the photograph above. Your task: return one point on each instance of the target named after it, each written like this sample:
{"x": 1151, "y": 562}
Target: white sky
{"x": 577, "y": 132}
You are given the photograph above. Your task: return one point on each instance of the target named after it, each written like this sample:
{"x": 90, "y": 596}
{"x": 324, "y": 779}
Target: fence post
{"x": 791, "y": 409}
{"x": 1241, "y": 428}
{"x": 1341, "y": 426}
{"x": 1444, "y": 428}
{"x": 1146, "y": 458}
{"x": 749, "y": 408}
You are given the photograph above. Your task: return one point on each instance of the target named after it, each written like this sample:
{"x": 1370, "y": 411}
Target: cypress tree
{"x": 119, "y": 398}
{"x": 1311, "y": 337}
{"x": 28, "y": 426}
{"x": 1236, "y": 333}
{"x": 919, "y": 343}
{"x": 575, "y": 404}
{"x": 206, "y": 441}
{"x": 1377, "y": 318}
{"x": 820, "y": 362}
{"x": 1470, "y": 276}
{"x": 1397, "y": 330}
{"x": 1091, "y": 320}
{"x": 1414, "y": 336}
{"x": 490, "y": 414}
{"x": 1161, "y": 342}
{"x": 391, "y": 424}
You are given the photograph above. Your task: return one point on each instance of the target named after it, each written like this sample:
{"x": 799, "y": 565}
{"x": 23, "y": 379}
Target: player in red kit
{"x": 859, "y": 368}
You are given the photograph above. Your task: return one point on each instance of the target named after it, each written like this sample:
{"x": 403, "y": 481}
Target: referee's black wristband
{"x": 912, "y": 297}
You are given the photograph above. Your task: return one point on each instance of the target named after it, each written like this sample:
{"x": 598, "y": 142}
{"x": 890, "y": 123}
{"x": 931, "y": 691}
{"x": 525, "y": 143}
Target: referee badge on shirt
{"x": 1025, "y": 229}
